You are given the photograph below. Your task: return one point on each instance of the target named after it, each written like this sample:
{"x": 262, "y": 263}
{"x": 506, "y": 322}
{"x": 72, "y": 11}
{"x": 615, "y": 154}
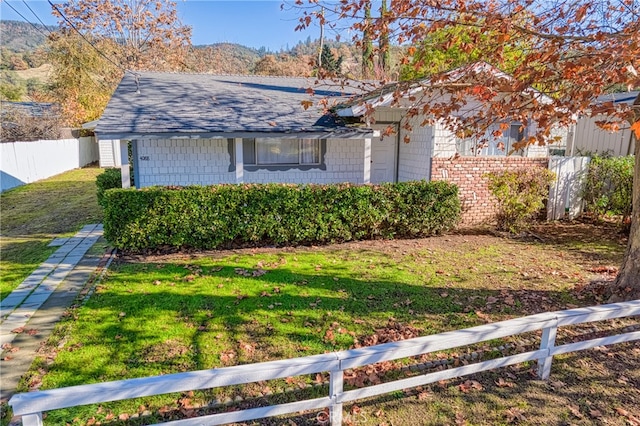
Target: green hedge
{"x": 253, "y": 215}
{"x": 109, "y": 179}
{"x": 609, "y": 185}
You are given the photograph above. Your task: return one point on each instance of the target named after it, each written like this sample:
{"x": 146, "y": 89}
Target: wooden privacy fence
{"x": 31, "y": 405}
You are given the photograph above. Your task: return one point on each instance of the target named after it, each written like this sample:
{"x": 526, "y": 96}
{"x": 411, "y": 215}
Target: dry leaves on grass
{"x": 515, "y": 415}
{"x": 502, "y": 383}
{"x": 469, "y": 385}
{"x": 631, "y": 419}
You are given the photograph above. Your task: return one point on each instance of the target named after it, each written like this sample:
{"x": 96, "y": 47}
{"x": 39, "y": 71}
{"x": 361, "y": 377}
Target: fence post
{"x": 548, "y": 341}
{"x": 336, "y": 380}
{"x": 32, "y": 419}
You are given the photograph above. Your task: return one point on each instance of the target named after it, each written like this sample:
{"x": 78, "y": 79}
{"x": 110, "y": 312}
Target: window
{"x": 269, "y": 151}
{"x": 493, "y": 146}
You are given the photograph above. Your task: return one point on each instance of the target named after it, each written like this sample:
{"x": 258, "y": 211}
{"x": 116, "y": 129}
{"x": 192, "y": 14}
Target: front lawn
{"x": 34, "y": 214}
{"x": 162, "y": 314}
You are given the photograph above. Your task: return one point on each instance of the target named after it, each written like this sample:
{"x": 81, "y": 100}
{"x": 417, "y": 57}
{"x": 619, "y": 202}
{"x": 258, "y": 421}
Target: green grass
{"x": 188, "y": 312}
{"x": 34, "y": 214}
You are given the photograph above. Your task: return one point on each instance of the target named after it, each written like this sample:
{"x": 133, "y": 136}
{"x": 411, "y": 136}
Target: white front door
{"x": 383, "y": 155}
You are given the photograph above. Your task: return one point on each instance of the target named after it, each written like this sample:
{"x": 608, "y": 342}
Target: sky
{"x": 254, "y": 24}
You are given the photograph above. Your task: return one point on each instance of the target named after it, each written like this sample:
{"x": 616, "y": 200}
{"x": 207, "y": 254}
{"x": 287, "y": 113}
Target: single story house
{"x": 207, "y": 129}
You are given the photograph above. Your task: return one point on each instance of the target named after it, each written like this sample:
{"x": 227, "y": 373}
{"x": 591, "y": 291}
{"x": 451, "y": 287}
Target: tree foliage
{"x": 574, "y": 52}
{"x": 330, "y": 64}
{"x": 148, "y": 33}
{"x": 99, "y": 41}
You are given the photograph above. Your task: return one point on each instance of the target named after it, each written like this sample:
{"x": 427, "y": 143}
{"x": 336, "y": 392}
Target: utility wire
{"x": 98, "y": 84}
{"x": 87, "y": 40}
{"x": 26, "y": 20}
{"x": 37, "y": 17}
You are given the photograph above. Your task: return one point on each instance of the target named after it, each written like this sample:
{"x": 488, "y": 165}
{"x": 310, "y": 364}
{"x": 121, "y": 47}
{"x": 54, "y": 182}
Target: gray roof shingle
{"x": 169, "y": 103}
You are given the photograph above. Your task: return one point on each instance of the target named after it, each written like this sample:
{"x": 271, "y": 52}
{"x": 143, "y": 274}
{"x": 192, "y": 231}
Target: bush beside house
{"x": 209, "y": 217}
{"x": 609, "y": 185}
{"x": 109, "y": 179}
{"x": 520, "y": 196}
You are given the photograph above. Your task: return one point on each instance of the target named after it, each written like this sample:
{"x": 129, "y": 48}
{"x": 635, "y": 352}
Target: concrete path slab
{"x": 30, "y": 312}
{"x": 44, "y": 280}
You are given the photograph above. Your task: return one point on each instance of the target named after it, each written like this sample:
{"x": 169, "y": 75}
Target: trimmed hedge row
{"x": 276, "y": 214}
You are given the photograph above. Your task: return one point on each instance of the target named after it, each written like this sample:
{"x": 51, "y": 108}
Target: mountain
{"x": 223, "y": 58}
{"x": 18, "y": 36}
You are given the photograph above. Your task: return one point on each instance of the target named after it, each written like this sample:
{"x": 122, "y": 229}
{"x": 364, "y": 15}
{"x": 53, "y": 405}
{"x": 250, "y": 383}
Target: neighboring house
{"x": 590, "y": 138}
{"x": 108, "y": 150}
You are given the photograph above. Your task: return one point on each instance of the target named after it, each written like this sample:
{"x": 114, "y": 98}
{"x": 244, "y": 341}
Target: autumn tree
{"x": 148, "y": 33}
{"x": 83, "y": 79}
{"x": 575, "y": 51}
{"x": 455, "y": 46}
{"x": 100, "y": 40}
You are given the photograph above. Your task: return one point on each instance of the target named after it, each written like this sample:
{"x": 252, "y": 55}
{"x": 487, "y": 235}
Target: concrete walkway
{"x": 28, "y": 315}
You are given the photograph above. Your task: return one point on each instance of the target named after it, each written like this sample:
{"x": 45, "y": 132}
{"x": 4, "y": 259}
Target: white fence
{"x": 31, "y": 405}
{"x": 26, "y": 162}
{"x": 565, "y": 194}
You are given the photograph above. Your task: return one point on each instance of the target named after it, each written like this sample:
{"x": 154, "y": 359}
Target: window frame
{"x": 467, "y": 146}
{"x": 300, "y": 162}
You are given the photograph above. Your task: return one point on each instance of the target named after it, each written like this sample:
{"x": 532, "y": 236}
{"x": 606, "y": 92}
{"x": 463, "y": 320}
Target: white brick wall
{"x": 206, "y": 162}
{"x": 344, "y": 163}
{"x": 414, "y": 162}
{"x": 183, "y": 162}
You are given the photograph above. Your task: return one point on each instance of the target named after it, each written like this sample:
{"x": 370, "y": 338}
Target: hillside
{"x": 223, "y": 58}
{"x": 18, "y": 36}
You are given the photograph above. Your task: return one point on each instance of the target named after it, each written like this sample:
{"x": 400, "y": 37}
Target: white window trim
{"x": 299, "y": 163}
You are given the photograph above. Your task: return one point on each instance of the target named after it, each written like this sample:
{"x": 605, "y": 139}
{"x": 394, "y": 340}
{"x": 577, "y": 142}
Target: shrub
{"x": 253, "y": 215}
{"x": 109, "y": 179}
{"x": 520, "y": 195}
{"x": 609, "y": 186}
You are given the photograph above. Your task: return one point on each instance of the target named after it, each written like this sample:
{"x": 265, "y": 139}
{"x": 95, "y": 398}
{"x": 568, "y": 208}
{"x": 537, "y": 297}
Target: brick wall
{"x": 478, "y": 204}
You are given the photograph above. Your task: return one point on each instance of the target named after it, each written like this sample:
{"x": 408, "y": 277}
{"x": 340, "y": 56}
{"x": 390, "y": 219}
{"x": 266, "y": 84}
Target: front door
{"x": 383, "y": 155}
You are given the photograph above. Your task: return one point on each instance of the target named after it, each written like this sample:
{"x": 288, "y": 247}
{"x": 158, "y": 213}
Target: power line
{"x": 85, "y": 39}
{"x": 26, "y": 20}
{"x": 37, "y": 17}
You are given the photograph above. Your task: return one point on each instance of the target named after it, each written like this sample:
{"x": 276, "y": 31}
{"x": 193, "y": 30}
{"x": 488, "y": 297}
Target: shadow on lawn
{"x": 281, "y": 314}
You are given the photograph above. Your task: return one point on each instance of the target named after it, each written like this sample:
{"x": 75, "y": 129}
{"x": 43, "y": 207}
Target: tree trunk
{"x": 627, "y": 283}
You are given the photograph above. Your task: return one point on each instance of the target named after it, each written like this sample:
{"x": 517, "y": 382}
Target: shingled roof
{"x": 149, "y": 103}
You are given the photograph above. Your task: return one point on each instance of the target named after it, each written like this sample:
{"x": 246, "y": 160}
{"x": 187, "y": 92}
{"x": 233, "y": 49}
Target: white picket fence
{"x": 31, "y": 405}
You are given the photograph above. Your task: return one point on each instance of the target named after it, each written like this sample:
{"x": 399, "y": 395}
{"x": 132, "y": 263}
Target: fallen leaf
{"x": 595, "y": 413}
{"x": 575, "y": 410}
{"x": 460, "y": 420}
{"x": 501, "y": 383}
{"x": 515, "y": 415}
{"x": 469, "y": 385}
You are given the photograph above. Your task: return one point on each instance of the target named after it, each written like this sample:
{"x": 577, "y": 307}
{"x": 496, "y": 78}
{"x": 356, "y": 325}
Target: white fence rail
{"x": 31, "y": 405}
{"x": 26, "y": 162}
